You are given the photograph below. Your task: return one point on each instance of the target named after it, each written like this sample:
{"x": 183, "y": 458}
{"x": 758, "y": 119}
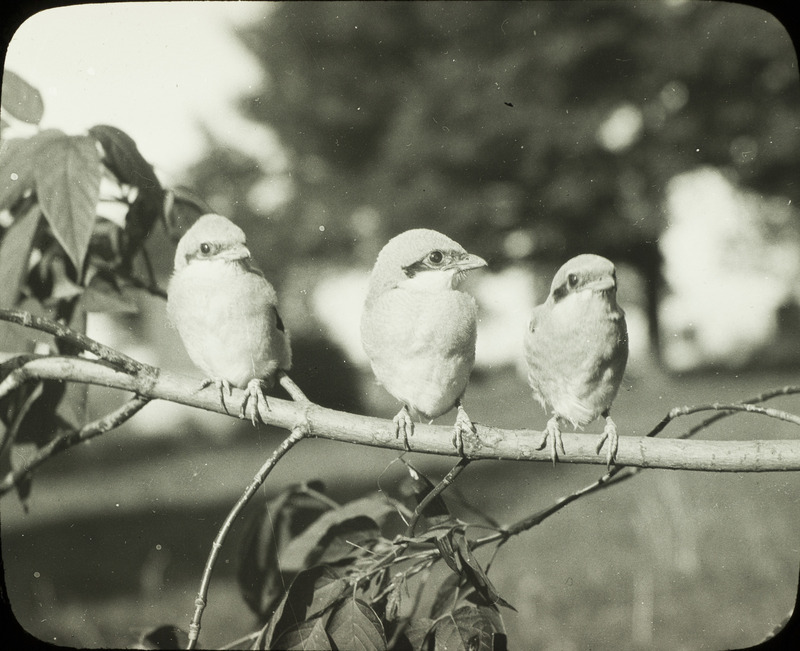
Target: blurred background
{"x": 663, "y": 135}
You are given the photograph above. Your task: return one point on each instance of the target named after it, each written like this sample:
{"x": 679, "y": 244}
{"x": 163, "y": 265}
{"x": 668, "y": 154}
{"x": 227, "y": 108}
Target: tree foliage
{"x": 487, "y": 120}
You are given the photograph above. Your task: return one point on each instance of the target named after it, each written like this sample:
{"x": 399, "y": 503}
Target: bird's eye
{"x": 572, "y": 280}
{"x": 435, "y": 257}
{"x": 205, "y": 248}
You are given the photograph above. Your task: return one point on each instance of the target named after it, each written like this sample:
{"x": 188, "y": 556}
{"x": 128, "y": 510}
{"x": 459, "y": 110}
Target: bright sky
{"x": 156, "y": 70}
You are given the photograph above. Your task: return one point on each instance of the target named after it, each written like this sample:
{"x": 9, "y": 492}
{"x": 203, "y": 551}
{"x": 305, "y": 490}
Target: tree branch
{"x": 490, "y": 442}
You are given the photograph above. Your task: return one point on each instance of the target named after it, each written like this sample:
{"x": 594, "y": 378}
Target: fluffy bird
{"x": 419, "y": 330}
{"x": 226, "y": 312}
{"x": 576, "y": 347}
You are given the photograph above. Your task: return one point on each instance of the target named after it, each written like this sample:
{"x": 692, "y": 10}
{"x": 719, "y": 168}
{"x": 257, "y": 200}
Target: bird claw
{"x": 403, "y": 424}
{"x": 553, "y": 433}
{"x": 254, "y": 393}
{"x": 463, "y": 425}
{"x": 610, "y": 434}
{"x": 222, "y": 386}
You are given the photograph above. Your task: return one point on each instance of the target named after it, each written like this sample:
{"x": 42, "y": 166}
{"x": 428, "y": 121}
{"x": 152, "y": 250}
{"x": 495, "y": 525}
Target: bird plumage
{"x": 576, "y": 347}
{"x": 418, "y": 329}
{"x": 224, "y": 309}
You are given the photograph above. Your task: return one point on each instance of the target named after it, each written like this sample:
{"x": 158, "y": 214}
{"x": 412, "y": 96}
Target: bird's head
{"x": 421, "y": 259}
{"x": 212, "y": 237}
{"x": 589, "y": 273}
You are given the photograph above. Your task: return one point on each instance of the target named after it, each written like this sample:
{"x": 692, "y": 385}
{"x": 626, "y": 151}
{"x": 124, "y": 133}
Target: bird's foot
{"x": 403, "y": 424}
{"x": 462, "y": 426}
{"x": 254, "y": 393}
{"x": 552, "y": 432}
{"x": 610, "y": 434}
{"x": 222, "y": 387}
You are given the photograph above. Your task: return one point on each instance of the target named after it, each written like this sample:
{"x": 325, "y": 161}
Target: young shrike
{"x": 225, "y": 312}
{"x": 419, "y": 330}
{"x": 576, "y": 346}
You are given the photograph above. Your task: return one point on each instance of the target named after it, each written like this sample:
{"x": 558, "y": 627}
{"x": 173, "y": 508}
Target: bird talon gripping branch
{"x": 576, "y": 347}
{"x": 418, "y": 329}
{"x": 463, "y": 427}
{"x": 403, "y": 425}
{"x": 226, "y": 313}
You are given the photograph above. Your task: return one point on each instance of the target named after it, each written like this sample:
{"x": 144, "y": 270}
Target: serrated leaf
{"x": 305, "y": 636}
{"x": 471, "y": 628}
{"x": 355, "y": 626}
{"x": 21, "y": 99}
{"x": 68, "y": 187}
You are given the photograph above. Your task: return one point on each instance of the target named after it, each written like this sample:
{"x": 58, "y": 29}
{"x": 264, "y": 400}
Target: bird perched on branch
{"x": 576, "y": 347}
{"x": 419, "y": 330}
{"x": 226, "y": 312}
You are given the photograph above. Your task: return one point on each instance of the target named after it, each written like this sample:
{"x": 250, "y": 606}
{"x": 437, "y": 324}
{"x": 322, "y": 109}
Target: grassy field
{"x": 117, "y": 534}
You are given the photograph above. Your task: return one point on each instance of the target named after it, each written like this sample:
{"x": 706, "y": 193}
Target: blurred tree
{"x": 524, "y": 130}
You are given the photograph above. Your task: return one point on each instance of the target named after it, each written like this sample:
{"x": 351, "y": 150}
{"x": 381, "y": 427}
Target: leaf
{"x": 68, "y": 187}
{"x": 470, "y": 628}
{"x": 21, "y": 99}
{"x": 355, "y": 521}
{"x": 311, "y": 592}
{"x": 166, "y": 636}
{"x": 448, "y": 550}
{"x": 123, "y": 158}
{"x": 418, "y": 631}
{"x": 356, "y": 627}
{"x": 15, "y": 250}
{"x": 305, "y": 636}
{"x": 446, "y": 596}
{"x": 267, "y": 531}
{"x": 19, "y": 159}
{"x": 104, "y": 295}
{"x": 436, "y": 510}
{"x": 475, "y": 574}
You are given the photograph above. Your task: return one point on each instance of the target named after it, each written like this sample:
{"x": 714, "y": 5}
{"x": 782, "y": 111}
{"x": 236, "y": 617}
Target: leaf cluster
{"x": 324, "y": 575}
{"x": 75, "y": 212}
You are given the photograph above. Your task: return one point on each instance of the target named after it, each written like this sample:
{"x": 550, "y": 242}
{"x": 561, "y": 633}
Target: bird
{"x": 419, "y": 330}
{"x": 576, "y": 349}
{"x": 225, "y": 312}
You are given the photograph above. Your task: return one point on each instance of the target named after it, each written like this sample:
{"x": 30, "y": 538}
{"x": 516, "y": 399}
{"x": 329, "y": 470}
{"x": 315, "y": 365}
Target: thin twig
{"x": 437, "y": 490}
{"x": 108, "y": 422}
{"x": 297, "y": 434}
{"x": 291, "y": 388}
{"x": 28, "y": 320}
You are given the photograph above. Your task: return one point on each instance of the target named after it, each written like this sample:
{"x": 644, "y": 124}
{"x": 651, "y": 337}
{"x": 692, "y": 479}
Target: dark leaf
{"x": 470, "y": 628}
{"x": 448, "y": 550}
{"x": 305, "y": 636}
{"x": 266, "y": 533}
{"x": 68, "y": 186}
{"x": 104, "y": 295}
{"x": 355, "y": 626}
{"x": 311, "y": 593}
{"x": 164, "y": 637}
{"x": 123, "y": 159}
{"x": 356, "y": 521}
{"x": 476, "y": 575}
{"x": 182, "y": 208}
{"x": 420, "y": 486}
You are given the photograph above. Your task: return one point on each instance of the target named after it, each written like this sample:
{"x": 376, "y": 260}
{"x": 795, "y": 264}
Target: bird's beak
{"x": 601, "y": 284}
{"x": 236, "y": 252}
{"x": 469, "y": 261}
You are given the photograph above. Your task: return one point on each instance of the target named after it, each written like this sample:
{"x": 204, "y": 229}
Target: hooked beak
{"x": 602, "y": 284}
{"x": 469, "y": 261}
{"x": 236, "y": 252}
